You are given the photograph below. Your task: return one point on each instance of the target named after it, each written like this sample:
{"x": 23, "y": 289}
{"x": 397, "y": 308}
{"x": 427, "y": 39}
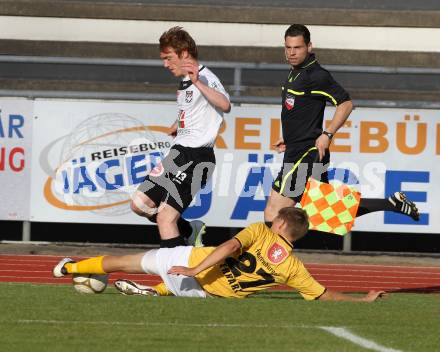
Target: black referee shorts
{"x": 297, "y": 167}
{"x": 182, "y": 173}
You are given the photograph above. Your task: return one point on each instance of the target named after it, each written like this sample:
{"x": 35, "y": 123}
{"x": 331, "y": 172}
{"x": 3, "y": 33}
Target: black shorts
{"x": 296, "y": 170}
{"x": 182, "y": 173}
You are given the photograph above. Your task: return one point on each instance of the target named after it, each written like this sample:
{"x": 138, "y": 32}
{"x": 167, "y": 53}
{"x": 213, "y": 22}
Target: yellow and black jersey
{"x": 304, "y": 96}
{"x": 265, "y": 260}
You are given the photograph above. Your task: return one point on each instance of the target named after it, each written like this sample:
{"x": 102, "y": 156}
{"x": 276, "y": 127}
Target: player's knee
{"x": 134, "y": 208}
{"x": 142, "y": 205}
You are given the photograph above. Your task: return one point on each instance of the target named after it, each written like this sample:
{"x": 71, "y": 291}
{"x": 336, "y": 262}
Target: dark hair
{"x": 296, "y": 30}
{"x": 296, "y": 219}
{"x": 180, "y": 40}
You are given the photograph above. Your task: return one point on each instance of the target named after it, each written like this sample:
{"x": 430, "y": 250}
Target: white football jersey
{"x": 198, "y": 120}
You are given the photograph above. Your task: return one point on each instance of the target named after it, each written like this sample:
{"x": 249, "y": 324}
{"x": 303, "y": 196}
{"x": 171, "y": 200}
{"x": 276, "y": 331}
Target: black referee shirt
{"x": 304, "y": 96}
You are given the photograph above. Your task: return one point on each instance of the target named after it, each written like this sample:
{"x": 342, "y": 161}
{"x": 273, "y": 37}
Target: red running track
{"x": 339, "y": 277}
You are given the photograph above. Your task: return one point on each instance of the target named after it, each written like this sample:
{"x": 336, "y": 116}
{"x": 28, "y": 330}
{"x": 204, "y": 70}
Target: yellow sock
{"x": 87, "y": 266}
{"x": 162, "y": 290}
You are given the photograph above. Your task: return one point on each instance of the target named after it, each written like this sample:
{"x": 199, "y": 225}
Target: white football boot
{"x": 59, "y": 270}
{"x": 130, "y": 288}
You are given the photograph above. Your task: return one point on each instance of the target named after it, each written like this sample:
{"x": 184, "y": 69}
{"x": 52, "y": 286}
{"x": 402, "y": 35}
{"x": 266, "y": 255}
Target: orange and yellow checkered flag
{"x": 331, "y": 208}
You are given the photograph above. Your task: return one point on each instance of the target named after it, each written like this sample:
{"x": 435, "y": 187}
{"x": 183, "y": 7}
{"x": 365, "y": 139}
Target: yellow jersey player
{"x": 256, "y": 259}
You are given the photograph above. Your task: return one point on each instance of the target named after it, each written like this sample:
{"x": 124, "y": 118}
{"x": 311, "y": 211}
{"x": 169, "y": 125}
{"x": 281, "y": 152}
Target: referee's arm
{"x": 342, "y": 112}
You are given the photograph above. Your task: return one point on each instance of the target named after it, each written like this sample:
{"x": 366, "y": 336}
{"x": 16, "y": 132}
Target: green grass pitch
{"x": 55, "y": 318}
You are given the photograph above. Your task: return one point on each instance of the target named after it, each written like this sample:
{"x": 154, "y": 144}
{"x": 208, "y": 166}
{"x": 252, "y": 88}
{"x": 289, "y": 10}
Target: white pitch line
{"x": 357, "y": 340}
{"x": 209, "y": 325}
{"x": 337, "y": 331}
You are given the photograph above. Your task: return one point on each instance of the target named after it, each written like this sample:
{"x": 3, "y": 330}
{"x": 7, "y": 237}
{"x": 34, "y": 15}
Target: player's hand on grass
{"x": 374, "y": 295}
{"x": 371, "y": 296}
{"x": 182, "y": 270}
{"x": 280, "y": 146}
{"x": 322, "y": 143}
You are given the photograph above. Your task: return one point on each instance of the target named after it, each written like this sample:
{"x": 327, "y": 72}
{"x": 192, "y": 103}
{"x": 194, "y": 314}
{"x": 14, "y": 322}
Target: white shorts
{"x": 179, "y": 285}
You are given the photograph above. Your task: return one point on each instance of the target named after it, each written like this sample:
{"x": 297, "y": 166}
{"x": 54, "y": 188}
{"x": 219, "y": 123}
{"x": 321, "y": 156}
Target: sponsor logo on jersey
{"x": 277, "y": 253}
{"x": 289, "y": 103}
{"x": 157, "y": 170}
{"x": 183, "y": 132}
{"x": 189, "y": 96}
{"x": 181, "y": 117}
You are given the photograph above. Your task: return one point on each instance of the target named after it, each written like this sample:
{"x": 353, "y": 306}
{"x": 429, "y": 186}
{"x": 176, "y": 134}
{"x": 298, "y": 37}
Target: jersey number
{"x": 247, "y": 263}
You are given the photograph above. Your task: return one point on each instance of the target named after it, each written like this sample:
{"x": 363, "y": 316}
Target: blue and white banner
{"x": 15, "y": 157}
{"x": 97, "y": 153}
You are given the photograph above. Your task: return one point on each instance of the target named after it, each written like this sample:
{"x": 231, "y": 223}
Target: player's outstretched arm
{"x": 221, "y": 252}
{"x": 371, "y": 296}
{"x": 342, "y": 112}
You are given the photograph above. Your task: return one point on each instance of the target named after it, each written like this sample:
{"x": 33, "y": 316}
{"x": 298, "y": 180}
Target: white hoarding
{"x": 15, "y": 157}
{"x": 97, "y": 153}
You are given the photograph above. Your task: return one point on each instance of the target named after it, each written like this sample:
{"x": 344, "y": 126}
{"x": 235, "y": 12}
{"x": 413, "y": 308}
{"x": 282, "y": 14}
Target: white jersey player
{"x": 198, "y": 120}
